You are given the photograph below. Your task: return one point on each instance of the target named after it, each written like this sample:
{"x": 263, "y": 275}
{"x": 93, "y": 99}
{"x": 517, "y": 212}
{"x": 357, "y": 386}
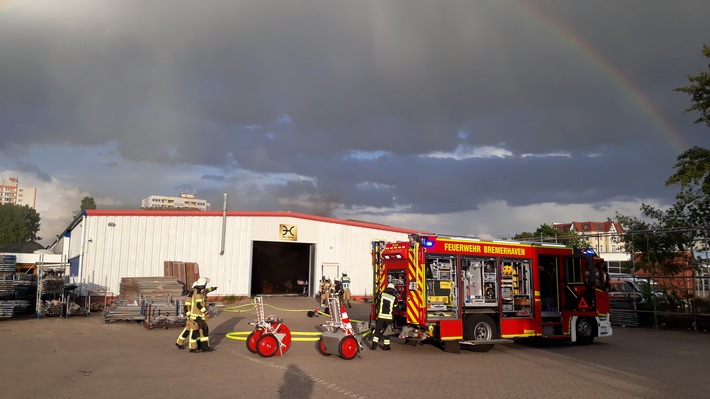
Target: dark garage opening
{"x": 277, "y": 267}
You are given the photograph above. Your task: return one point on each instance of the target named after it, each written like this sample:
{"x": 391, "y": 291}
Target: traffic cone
{"x": 346, "y": 320}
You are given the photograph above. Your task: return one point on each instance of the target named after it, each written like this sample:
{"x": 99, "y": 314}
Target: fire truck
{"x": 470, "y": 293}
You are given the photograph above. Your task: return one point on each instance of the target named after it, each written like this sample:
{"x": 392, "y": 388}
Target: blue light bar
{"x": 428, "y": 241}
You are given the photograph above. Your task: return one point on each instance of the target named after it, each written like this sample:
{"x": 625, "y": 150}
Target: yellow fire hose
{"x": 305, "y": 336}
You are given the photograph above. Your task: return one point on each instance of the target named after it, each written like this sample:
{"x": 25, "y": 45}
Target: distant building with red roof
{"x": 602, "y": 236}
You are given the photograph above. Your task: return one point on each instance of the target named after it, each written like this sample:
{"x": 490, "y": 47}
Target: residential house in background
{"x": 605, "y": 238}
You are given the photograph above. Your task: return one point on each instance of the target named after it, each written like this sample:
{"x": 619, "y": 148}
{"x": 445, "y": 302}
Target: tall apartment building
{"x": 184, "y": 201}
{"x": 12, "y": 193}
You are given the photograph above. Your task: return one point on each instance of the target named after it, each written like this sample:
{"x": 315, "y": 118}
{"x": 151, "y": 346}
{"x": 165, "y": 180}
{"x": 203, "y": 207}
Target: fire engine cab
{"x": 465, "y": 292}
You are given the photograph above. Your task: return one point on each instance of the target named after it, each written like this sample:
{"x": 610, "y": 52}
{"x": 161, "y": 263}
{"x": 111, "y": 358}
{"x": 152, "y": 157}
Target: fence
{"x": 676, "y": 302}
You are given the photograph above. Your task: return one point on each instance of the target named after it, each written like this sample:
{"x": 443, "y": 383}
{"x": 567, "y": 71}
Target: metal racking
{"x": 51, "y": 295}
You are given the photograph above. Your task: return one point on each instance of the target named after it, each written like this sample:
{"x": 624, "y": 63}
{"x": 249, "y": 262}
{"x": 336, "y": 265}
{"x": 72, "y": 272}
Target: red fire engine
{"x": 473, "y": 293}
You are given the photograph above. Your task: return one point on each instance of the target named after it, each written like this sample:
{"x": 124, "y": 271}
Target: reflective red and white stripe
{"x": 347, "y": 326}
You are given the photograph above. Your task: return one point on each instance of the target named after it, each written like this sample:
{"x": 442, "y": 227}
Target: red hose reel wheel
{"x": 253, "y": 338}
{"x": 348, "y": 348}
{"x": 320, "y": 347}
{"x": 267, "y": 345}
{"x": 286, "y": 340}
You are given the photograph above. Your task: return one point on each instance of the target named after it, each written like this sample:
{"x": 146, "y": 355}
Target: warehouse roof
{"x": 174, "y": 213}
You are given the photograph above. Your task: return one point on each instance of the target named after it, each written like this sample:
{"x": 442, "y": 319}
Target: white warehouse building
{"x": 242, "y": 253}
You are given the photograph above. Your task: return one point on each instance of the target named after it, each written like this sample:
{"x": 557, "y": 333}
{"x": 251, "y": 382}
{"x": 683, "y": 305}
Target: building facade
{"x": 602, "y": 236}
{"x": 242, "y": 253}
{"x": 605, "y": 238}
{"x": 183, "y": 201}
{"x": 12, "y": 193}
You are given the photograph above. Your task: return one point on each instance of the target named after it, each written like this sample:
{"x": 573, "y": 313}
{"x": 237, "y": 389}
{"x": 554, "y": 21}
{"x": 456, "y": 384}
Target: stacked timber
{"x": 122, "y": 310}
{"x": 164, "y": 296}
{"x": 151, "y": 287}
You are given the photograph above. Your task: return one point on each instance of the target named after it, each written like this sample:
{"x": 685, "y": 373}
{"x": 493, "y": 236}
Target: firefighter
{"x": 345, "y": 280}
{"x": 325, "y": 293}
{"x": 199, "y": 314}
{"x": 338, "y": 290}
{"x": 388, "y": 300}
{"x": 321, "y": 286}
{"x": 190, "y": 324}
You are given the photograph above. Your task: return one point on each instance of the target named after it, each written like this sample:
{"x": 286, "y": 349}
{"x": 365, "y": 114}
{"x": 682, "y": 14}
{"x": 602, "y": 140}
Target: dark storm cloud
{"x": 33, "y": 170}
{"x": 291, "y": 87}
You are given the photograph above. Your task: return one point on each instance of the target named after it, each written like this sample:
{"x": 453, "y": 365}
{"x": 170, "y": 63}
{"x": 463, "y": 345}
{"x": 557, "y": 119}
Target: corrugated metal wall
{"x": 137, "y": 246}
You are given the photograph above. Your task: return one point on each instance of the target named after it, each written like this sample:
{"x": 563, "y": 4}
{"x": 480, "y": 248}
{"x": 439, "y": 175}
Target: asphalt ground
{"x": 84, "y": 357}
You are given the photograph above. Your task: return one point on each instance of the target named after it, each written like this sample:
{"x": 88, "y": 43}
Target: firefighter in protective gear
{"x": 325, "y": 293}
{"x": 388, "y": 300}
{"x": 199, "y": 314}
{"x": 345, "y": 280}
{"x": 338, "y": 290}
{"x": 190, "y": 325}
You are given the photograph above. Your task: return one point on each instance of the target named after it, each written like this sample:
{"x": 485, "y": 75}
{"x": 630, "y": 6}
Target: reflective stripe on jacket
{"x": 387, "y": 302}
{"x": 198, "y": 308}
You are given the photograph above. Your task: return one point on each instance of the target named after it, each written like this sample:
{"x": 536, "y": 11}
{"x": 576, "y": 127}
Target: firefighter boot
{"x": 198, "y": 348}
{"x": 207, "y": 348}
{"x": 386, "y": 348}
{"x": 179, "y": 346}
{"x": 373, "y": 345}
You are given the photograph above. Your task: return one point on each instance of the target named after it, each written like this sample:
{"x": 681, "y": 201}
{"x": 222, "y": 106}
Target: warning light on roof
{"x": 428, "y": 241}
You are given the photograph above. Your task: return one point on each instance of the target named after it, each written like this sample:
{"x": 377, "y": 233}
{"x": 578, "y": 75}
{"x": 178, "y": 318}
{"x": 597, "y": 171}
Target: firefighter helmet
{"x": 201, "y": 282}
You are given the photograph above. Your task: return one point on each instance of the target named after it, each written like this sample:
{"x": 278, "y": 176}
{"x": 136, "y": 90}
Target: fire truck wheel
{"x": 348, "y": 347}
{"x": 267, "y": 345}
{"x": 320, "y": 346}
{"x": 252, "y": 339}
{"x": 480, "y": 327}
{"x": 585, "y": 331}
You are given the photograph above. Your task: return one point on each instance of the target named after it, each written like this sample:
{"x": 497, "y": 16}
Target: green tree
{"x": 546, "y": 233}
{"x": 88, "y": 203}
{"x": 18, "y": 223}
{"x": 692, "y": 170}
{"x": 699, "y": 91}
{"x": 663, "y": 236}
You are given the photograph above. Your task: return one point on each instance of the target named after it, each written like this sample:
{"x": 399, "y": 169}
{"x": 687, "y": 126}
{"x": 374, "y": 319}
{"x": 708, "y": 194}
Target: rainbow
{"x": 605, "y": 66}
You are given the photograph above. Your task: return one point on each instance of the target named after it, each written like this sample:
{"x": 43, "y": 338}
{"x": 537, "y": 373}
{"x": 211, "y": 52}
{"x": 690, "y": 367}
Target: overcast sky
{"x": 483, "y": 118}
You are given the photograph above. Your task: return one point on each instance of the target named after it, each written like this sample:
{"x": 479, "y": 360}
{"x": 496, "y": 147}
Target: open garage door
{"x": 277, "y": 268}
